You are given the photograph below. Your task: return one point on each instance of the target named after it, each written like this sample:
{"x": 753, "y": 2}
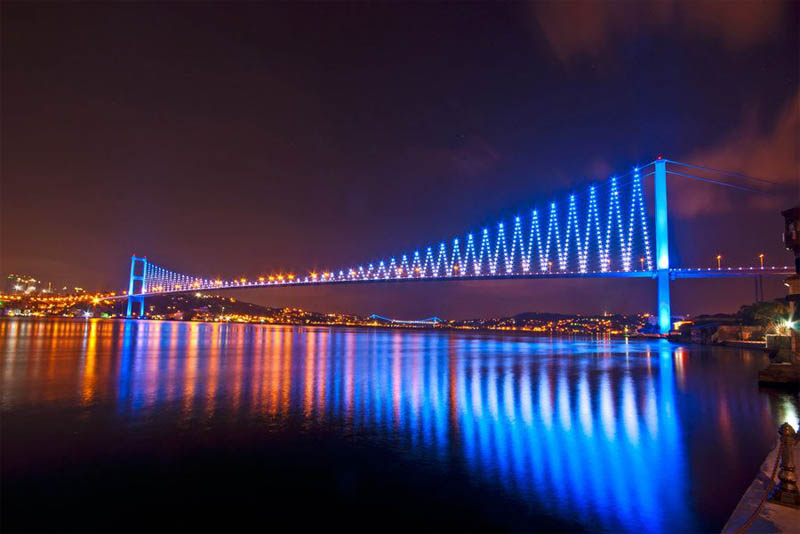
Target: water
{"x": 166, "y": 425}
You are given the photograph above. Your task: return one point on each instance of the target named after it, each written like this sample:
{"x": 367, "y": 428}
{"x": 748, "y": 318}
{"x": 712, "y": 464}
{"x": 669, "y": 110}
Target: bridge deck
{"x": 731, "y": 272}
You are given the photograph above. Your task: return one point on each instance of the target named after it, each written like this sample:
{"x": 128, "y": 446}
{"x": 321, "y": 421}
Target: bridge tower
{"x": 133, "y": 295}
{"x": 662, "y": 247}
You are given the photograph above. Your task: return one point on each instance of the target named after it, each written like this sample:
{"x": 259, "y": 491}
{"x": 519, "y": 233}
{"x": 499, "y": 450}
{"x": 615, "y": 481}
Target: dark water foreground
{"x": 159, "y": 425}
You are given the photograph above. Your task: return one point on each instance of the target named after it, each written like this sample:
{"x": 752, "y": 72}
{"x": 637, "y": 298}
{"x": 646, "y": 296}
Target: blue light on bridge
{"x": 565, "y": 247}
{"x": 662, "y": 247}
{"x": 563, "y": 251}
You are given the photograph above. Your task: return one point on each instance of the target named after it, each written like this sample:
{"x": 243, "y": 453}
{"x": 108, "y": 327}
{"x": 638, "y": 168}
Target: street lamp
{"x": 719, "y": 261}
{"x": 641, "y": 261}
{"x": 761, "y": 258}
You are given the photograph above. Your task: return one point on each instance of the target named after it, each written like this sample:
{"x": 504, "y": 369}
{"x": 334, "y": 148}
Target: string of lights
{"x": 582, "y": 244}
{"x": 590, "y": 242}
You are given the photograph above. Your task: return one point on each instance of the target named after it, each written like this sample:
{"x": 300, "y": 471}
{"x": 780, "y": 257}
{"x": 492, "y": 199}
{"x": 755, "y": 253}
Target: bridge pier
{"x": 662, "y": 248}
{"x": 133, "y": 296}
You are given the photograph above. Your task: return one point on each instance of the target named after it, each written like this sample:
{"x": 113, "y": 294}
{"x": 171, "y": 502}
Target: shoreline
{"x": 775, "y": 518}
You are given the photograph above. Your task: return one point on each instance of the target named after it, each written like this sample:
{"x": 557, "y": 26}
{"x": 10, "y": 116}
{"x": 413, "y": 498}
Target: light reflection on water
{"x": 615, "y": 435}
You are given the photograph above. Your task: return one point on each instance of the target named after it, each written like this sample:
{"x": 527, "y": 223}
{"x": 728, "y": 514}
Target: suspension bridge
{"x": 606, "y": 232}
{"x": 430, "y": 321}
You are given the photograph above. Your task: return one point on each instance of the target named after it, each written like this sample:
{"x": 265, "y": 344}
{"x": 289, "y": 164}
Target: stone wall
{"x": 737, "y": 333}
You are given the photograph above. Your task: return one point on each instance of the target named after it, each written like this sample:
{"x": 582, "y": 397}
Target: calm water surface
{"x": 166, "y": 425}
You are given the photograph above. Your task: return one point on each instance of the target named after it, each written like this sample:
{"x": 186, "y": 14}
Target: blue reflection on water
{"x": 585, "y": 430}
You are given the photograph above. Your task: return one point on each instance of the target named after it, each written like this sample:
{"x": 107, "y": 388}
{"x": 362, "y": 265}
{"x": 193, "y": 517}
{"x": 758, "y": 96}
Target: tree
{"x": 764, "y": 313}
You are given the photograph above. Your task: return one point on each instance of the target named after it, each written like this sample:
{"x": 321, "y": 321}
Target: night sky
{"x": 242, "y": 139}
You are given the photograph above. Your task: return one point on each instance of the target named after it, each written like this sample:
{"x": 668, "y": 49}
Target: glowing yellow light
{"x": 260, "y": 278}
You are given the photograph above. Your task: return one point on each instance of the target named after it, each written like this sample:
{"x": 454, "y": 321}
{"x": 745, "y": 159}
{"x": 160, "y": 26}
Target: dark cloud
{"x": 770, "y": 153}
{"x": 590, "y": 29}
{"x": 738, "y": 24}
{"x": 471, "y": 157}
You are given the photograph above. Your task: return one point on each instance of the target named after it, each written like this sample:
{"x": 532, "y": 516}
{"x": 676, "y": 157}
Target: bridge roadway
{"x": 675, "y": 274}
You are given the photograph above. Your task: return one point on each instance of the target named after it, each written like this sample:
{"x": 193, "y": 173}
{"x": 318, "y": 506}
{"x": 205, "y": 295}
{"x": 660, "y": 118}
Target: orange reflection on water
{"x": 286, "y": 368}
{"x": 89, "y": 376}
{"x": 264, "y": 362}
{"x": 214, "y": 363}
{"x": 172, "y": 363}
{"x": 190, "y": 374}
{"x": 310, "y": 359}
{"x": 242, "y": 335}
{"x": 680, "y": 361}
{"x": 322, "y": 371}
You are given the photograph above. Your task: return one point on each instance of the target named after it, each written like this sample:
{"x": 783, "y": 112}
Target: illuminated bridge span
{"x": 603, "y": 232}
{"x": 430, "y": 321}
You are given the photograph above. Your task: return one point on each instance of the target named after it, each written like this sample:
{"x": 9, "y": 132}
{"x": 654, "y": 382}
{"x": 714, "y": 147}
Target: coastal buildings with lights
{"x": 20, "y": 284}
{"x": 203, "y": 307}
